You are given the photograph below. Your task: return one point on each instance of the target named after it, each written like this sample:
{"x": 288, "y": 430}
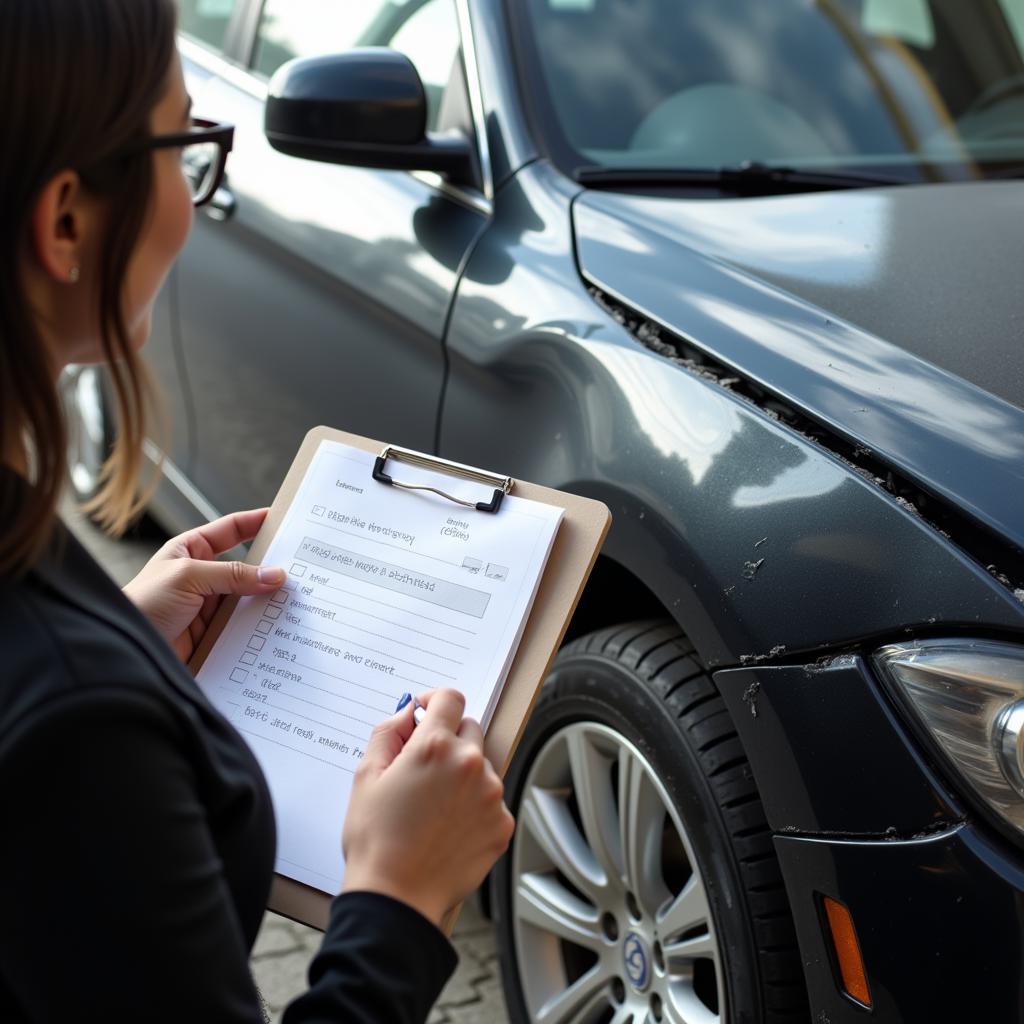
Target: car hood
{"x": 895, "y": 316}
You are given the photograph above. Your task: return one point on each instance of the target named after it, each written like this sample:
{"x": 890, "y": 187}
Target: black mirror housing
{"x": 365, "y": 107}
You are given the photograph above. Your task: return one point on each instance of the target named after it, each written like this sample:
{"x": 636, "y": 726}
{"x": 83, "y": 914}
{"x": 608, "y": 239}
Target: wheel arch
{"x": 611, "y": 588}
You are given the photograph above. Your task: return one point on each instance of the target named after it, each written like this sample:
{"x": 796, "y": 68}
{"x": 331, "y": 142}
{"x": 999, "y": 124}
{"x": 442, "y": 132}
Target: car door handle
{"x": 222, "y": 206}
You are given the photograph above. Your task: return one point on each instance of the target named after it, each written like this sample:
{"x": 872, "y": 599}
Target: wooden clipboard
{"x": 579, "y": 538}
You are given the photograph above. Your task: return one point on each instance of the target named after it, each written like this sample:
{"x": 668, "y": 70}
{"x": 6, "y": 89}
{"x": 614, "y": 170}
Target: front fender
{"x": 755, "y": 540}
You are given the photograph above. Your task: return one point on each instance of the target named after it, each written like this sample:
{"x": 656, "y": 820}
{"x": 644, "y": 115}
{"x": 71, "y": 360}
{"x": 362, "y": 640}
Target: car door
{"x": 314, "y": 293}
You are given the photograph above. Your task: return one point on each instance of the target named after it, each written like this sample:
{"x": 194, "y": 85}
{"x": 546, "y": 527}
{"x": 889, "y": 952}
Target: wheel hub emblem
{"x": 637, "y": 961}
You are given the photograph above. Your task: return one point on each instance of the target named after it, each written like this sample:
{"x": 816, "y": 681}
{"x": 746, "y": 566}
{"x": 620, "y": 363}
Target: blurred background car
{"x": 750, "y": 274}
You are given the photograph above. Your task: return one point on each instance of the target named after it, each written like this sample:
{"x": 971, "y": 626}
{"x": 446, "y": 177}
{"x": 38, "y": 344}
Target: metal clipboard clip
{"x": 501, "y": 484}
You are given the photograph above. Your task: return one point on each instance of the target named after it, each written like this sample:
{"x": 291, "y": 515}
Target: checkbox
{"x": 248, "y": 658}
{"x": 280, "y": 597}
{"x": 239, "y": 675}
{"x": 272, "y": 611}
{"x": 298, "y": 570}
{"x": 257, "y": 642}
{"x": 318, "y": 510}
{"x": 263, "y": 626}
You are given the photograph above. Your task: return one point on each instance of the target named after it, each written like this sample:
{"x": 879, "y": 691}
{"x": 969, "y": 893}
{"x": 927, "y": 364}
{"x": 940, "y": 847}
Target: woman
{"x": 138, "y": 838}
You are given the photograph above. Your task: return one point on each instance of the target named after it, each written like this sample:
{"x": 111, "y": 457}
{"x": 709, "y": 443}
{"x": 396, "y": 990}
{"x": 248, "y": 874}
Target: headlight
{"x": 969, "y": 695}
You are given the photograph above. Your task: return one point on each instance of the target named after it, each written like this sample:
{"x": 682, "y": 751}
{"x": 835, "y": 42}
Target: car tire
{"x": 670, "y": 910}
{"x": 91, "y": 429}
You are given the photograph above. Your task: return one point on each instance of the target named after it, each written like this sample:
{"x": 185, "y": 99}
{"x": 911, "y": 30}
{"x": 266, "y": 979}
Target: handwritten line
{"x": 342, "y": 679}
{"x": 324, "y": 707}
{"x": 390, "y": 639}
{"x": 393, "y": 607}
{"x": 383, "y": 654}
{"x": 288, "y": 746}
{"x": 390, "y": 622}
{"x": 316, "y": 721}
{"x": 333, "y": 693}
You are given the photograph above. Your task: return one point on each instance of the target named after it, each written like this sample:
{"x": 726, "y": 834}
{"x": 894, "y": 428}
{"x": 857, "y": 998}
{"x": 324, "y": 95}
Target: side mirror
{"x": 366, "y": 108}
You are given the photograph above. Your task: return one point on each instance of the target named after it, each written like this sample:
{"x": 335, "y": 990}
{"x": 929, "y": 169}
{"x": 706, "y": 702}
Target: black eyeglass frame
{"x": 202, "y": 131}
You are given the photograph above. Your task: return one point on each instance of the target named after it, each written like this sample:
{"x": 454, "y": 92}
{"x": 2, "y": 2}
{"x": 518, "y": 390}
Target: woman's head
{"x": 90, "y": 222}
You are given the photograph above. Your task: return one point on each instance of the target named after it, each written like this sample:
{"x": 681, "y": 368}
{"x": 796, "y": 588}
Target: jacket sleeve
{"x": 115, "y": 904}
{"x": 380, "y": 961}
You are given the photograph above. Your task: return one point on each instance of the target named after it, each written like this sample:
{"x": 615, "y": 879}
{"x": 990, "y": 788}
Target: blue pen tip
{"x": 402, "y": 701}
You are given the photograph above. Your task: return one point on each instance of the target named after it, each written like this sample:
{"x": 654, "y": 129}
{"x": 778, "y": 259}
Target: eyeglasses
{"x": 204, "y": 153}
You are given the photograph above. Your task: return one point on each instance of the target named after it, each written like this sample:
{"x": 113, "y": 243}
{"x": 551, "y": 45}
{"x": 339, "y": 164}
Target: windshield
{"x": 919, "y": 89}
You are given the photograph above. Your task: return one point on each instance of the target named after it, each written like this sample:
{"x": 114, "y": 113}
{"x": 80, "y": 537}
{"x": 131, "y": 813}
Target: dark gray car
{"x": 750, "y": 273}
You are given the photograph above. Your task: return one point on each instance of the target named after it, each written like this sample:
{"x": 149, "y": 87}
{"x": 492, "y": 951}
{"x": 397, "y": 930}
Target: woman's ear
{"x": 60, "y": 223}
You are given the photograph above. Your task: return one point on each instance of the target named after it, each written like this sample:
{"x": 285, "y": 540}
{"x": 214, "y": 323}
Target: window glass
{"x": 430, "y": 39}
{"x": 206, "y": 20}
{"x": 426, "y": 31}
{"x": 306, "y": 28}
{"x": 897, "y": 85}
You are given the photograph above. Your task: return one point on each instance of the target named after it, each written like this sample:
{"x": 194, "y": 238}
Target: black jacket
{"x": 137, "y": 836}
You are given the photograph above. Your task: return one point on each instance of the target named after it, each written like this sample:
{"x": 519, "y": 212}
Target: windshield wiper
{"x": 746, "y": 179}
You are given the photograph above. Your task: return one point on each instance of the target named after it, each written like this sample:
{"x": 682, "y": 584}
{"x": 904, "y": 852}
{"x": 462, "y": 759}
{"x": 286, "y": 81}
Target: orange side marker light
{"x": 848, "y": 956}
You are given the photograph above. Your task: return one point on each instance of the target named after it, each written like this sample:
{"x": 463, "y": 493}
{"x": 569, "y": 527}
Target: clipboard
{"x": 584, "y": 525}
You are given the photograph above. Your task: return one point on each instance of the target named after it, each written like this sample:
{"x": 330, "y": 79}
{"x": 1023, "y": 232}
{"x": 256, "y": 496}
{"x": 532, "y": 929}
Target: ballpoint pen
{"x": 418, "y": 710}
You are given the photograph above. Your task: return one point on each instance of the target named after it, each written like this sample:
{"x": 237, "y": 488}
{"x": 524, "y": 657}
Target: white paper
{"x": 389, "y": 591}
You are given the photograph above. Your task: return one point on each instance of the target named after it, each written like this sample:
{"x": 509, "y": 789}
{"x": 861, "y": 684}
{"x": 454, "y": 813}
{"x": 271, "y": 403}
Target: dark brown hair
{"x": 81, "y": 79}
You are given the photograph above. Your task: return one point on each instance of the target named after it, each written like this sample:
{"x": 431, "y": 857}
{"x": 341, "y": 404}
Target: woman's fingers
{"x": 227, "y": 532}
{"x": 209, "y": 608}
{"x": 444, "y": 709}
{"x": 387, "y": 740}
{"x": 470, "y": 730}
{"x": 425, "y": 822}
{"x": 208, "y": 578}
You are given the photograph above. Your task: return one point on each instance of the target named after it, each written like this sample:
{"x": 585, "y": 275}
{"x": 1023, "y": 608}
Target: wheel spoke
{"x": 642, "y": 819}
{"x": 546, "y": 904}
{"x": 683, "y": 1007}
{"x": 625, "y": 1014}
{"x": 679, "y": 955}
{"x": 687, "y": 911}
{"x": 580, "y": 1003}
{"x": 592, "y": 783}
{"x": 547, "y": 818}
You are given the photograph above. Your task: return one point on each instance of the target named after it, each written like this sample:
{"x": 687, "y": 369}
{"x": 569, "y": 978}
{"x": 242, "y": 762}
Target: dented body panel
{"x": 753, "y": 537}
{"x": 787, "y": 317}
{"x": 806, "y": 730}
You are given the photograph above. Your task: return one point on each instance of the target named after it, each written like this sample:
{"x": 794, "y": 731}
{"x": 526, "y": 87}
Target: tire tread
{"x": 693, "y": 700}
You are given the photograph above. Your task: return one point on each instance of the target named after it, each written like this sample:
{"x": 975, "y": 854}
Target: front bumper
{"x": 861, "y": 815}
{"x": 940, "y": 923}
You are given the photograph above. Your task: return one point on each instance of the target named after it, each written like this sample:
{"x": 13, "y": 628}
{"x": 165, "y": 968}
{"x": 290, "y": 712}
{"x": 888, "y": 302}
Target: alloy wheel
{"x": 612, "y": 921}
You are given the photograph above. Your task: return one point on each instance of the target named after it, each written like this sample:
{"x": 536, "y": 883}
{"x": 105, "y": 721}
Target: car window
{"x": 306, "y": 28}
{"x": 430, "y": 39}
{"x": 838, "y": 84}
{"x": 206, "y": 20}
{"x": 426, "y": 31}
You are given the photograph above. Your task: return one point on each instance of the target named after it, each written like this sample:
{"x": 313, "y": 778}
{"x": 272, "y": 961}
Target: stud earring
{"x": 73, "y": 274}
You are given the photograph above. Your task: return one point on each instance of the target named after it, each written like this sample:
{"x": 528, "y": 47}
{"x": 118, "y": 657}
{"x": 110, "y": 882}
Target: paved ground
{"x": 283, "y": 949}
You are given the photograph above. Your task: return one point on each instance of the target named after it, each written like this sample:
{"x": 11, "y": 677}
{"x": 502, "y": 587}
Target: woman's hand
{"x": 426, "y": 820}
{"x": 181, "y": 586}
